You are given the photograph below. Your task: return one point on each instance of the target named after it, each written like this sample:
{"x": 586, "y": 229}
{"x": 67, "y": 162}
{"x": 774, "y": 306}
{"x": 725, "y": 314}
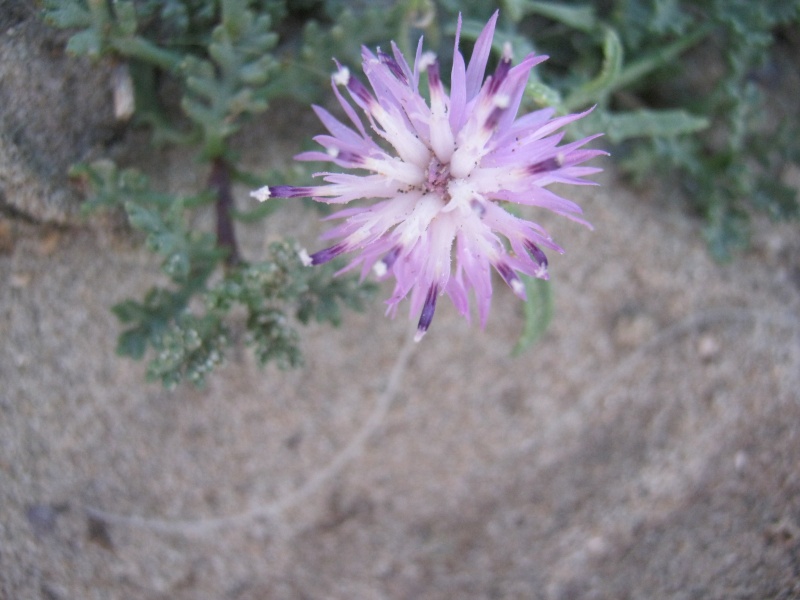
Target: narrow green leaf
{"x": 66, "y": 14}
{"x": 202, "y": 86}
{"x": 85, "y": 43}
{"x": 538, "y": 94}
{"x": 515, "y": 9}
{"x": 125, "y": 13}
{"x": 235, "y": 17}
{"x": 257, "y": 72}
{"x": 641, "y": 124}
{"x": 580, "y": 17}
{"x": 595, "y": 90}
{"x": 661, "y": 56}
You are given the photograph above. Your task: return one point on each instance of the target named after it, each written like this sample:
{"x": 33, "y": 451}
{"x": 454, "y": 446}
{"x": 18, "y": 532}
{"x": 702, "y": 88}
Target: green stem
{"x": 597, "y": 89}
{"x": 636, "y": 70}
{"x": 140, "y": 48}
{"x": 639, "y": 68}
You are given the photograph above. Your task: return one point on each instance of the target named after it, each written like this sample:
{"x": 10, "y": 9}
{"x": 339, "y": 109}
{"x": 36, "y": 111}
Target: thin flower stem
{"x": 220, "y": 182}
{"x": 273, "y": 510}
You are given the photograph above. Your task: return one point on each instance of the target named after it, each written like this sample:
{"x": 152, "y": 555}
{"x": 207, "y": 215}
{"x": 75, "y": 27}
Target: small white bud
{"x": 379, "y": 268}
{"x": 304, "y": 257}
{"x": 501, "y": 100}
{"x": 426, "y": 60}
{"x": 342, "y": 76}
{"x": 261, "y": 194}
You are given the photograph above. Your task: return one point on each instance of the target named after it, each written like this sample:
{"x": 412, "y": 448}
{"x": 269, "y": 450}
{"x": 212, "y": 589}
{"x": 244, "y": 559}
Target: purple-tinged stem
{"x": 220, "y": 182}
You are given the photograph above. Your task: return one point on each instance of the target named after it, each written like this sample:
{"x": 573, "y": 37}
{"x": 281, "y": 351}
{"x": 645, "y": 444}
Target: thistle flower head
{"x": 440, "y": 172}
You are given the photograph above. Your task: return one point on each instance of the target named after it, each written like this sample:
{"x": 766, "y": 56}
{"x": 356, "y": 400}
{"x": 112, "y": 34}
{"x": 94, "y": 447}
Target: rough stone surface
{"x": 55, "y": 111}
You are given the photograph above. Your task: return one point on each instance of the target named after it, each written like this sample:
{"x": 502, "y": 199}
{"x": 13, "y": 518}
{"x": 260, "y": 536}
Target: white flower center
{"x": 438, "y": 179}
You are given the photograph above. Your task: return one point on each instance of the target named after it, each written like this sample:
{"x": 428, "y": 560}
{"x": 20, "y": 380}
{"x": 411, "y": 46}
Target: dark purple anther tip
{"x": 359, "y": 91}
{"x": 428, "y": 309}
{"x": 290, "y": 191}
{"x": 511, "y": 278}
{"x": 536, "y": 253}
{"x": 494, "y": 118}
{"x": 391, "y": 257}
{"x": 434, "y": 80}
{"x": 393, "y": 65}
{"x": 328, "y": 254}
{"x": 351, "y": 158}
{"x": 545, "y": 166}
{"x": 500, "y": 74}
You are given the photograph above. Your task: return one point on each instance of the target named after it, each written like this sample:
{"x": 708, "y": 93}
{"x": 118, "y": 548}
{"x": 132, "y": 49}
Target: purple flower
{"x": 441, "y": 175}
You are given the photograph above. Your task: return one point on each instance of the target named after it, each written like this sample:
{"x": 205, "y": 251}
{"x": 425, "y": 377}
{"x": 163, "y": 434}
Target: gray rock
{"x": 56, "y": 110}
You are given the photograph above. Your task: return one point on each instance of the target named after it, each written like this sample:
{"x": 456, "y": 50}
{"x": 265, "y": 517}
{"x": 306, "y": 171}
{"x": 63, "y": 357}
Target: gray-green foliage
{"x": 190, "y": 323}
{"x": 637, "y": 61}
{"x": 717, "y": 136}
{"x": 714, "y": 131}
{"x": 714, "y": 135}
{"x": 224, "y": 58}
{"x": 230, "y": 58}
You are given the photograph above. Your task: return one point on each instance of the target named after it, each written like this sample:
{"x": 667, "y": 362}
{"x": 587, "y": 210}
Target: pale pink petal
{"x": 480, "y": 57}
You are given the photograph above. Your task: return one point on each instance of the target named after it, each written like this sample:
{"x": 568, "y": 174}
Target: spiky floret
{"x": 440, "y": 176}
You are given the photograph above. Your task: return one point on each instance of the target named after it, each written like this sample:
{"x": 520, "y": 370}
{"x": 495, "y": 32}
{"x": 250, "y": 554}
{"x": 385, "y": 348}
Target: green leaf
{"x": 643, "y": 123}
{"x": 144, "y": 219}
{"x": 129, "y": 311}
{"x": 132, "y": 343}
{"x": 125, "y": 13}
{"x": 598, "y": 88}
{"x": 538, "y": 312}
{"x": 67, "y": 14}
{"x": 727, "y": 230}
{"x": 85, "y": 43}
{"x": 581, "y": 17}
{"x": 177, "y": 265}
{"x": 515, "y": 9}
{"x": 256, "y": 73}
{"x": 661, "y": 56}
{"x": 538, "y": 94}
{"x": 779, "y": 201}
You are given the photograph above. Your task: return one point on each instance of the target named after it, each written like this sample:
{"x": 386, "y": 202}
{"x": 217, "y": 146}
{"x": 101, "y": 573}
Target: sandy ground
{"x": 648, "y": 447}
